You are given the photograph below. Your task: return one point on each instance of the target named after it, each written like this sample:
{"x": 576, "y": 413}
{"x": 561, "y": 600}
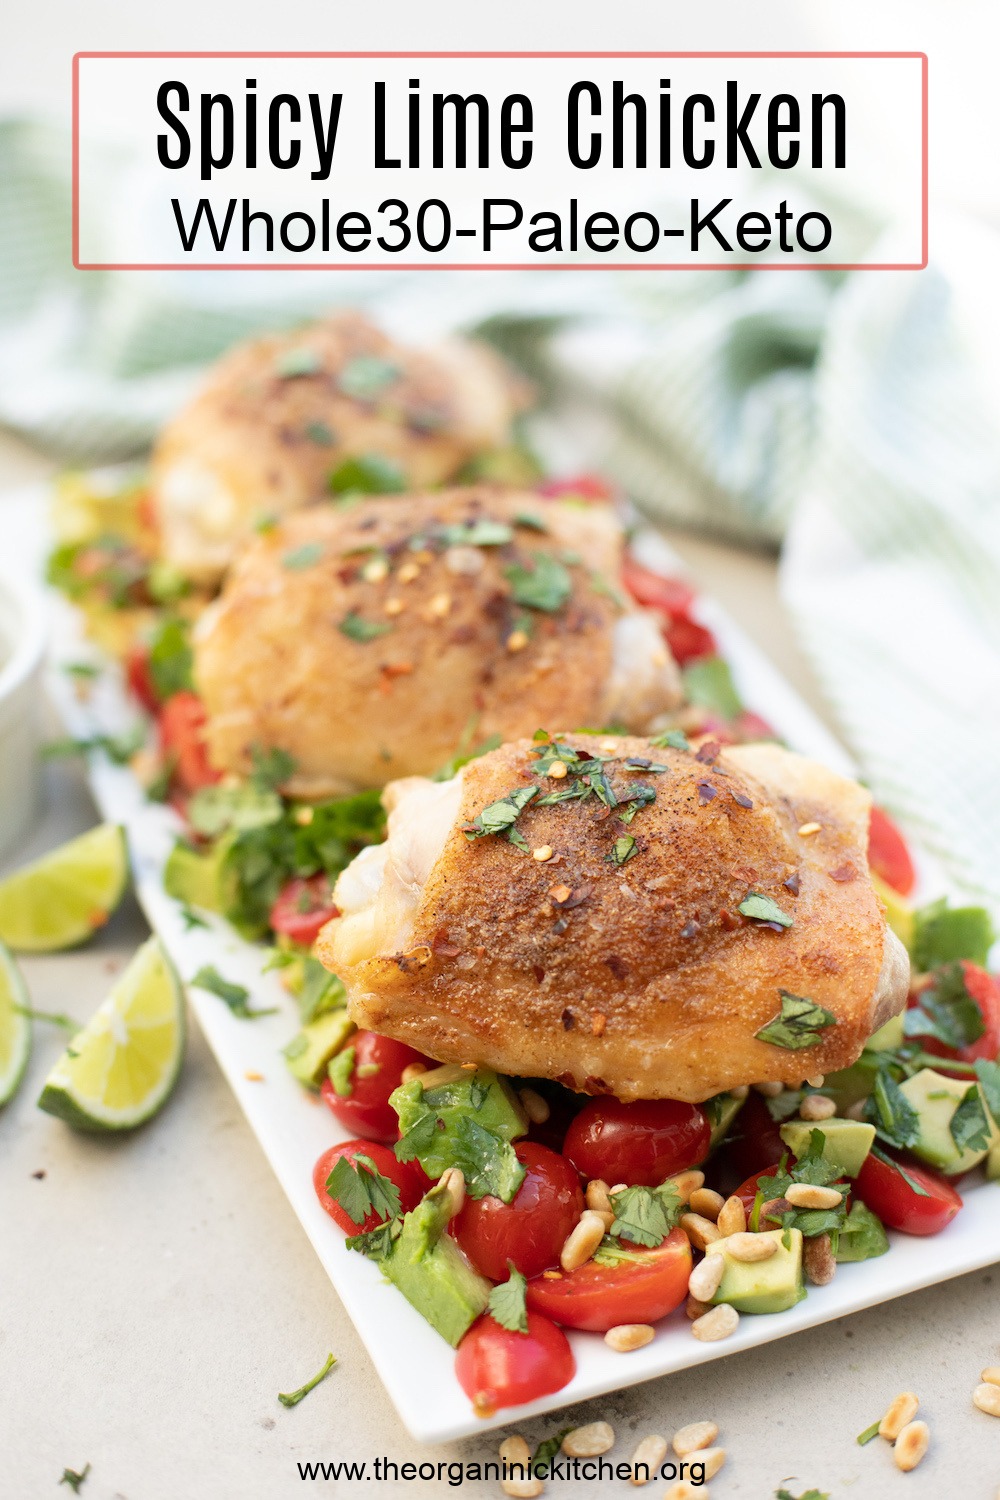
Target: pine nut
{"x": 717, "y": 1324}
{"x": 701, "y": 1232}
{"x": 534, "y": 1106}
{"x": 806, "y": 1195}
{"x": 685, "y": 1183}
{"x": 987, "y": 1398}
{"x": 589, "y": 1441}
{"x": 816, "y": 1107}
{"x": 770, "y": 1090}
{"x": 707, "y": 1202}
{"x": 816, "y": 1081}
{"x": 808, "y": 829}
{"x": 911, "y": 1445}
{"x": 751, "y": 1247}
{"x": 651, "y": 1452}
{"x": 693, "y": 1308}
{"x": 544, "y": 851}
{"x": 706, "y": 1278}
{"x": 453, "y": 1178}
{"x": 411, "y": 1071}
{"x": 991, "y": 1375}
{"x": 523, "y": 1489}
{"x": 619, "y": 1187}
{"x": 629, "y": 1336}
{"x": 598, "y": 1198}
{"x": 514, "y": 1449}
{"x": 694, "y": 1436}
{"x": 713, "y": 1459}
{"x": 902, "y": 1411}
{"x": 819, "y": 1260}
{"x": 684, "y": 1491}
{"x": 740, "y": 1092}
{"x": 582, "y": 1241}
{"x": 774, "y": 1207}
{"x": 732, "y": 1216}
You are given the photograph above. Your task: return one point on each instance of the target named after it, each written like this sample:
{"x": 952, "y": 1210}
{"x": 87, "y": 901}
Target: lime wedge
{"x": 117, "y": 1071}
{"x": 63, "y": 897}
{"x": 15, "y": 1027}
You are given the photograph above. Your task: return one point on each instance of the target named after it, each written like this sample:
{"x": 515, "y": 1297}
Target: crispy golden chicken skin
{"x": 280, "y": 414}
{"x": 372, "y": 641}
{"x": 616, "y": 966}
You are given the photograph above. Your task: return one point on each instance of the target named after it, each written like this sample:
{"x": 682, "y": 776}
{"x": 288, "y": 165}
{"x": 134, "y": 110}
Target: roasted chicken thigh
{"x": 626, "y": 918}
{"x": 373, "y": 641}
{"x": 281, "y": 414}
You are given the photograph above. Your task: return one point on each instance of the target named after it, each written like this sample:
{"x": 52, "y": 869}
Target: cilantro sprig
{"x": 945, "y": 1010}
{"x": 760, "y": 908}
{"x": 361, "y": 1189}
{"x": 292, "y": 1398}
{"x": 508, "y": 1304}
{"x": 645, "y": 1216}
{"x": 500, "y": 817}
{"x": 235, "y": 996}
{"x": 798, "y": 1024}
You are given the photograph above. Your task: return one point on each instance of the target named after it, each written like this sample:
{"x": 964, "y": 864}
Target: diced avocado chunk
{"x": 721, "y": 1111}
{"x": 450, "y": 1093}
{"x": 432, "y": 1273}
{"x": 993, "y": 1163}
{"x": 898, "y": 911}
{"x": 846, "y": 1143}
{"x": 196, "y": 879}
{"x": 763, "y": 1286}
{"x": 936, "y": 1098}
{"x": 863, "y": 1236}
{"x": 852, "y": 1084}
{"x": 309, "y": 1053}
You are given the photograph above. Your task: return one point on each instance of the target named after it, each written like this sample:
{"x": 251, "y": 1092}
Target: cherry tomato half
{"x": 532, "y": 1229}
{"x": 378, "y": 1065}
{"x": 643, "y": 1287}
{"x": 756, "y": 1143}
{"x": 412, "y": 1183}
{"x": 182, "y": 733}
{"x": 302, "y": 908}
{"x": 671, "y": 596}
{"x": 688, "y": 641}
{"x": 578, "y": 487}
{"x": 888, "y": 855}
{"x": 887, "y": 1193}
{"x": 984, "y": 989}
{"x": 639, "y": 1143}
{"x": 496, "y": 1367}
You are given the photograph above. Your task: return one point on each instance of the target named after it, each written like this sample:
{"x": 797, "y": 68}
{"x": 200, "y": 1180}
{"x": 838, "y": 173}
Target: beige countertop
{"x": 156, "y": 1292}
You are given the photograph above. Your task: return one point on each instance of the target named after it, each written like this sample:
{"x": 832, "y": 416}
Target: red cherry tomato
{"x": 689, "y": 641}
{"x": 671, "y": 596}
{"x": 140, "y": 679}
{"x": 578, "y": 487}
{"x": 302, "y": 908}
{"x": 532, "y": 1229}
{"x": 411, "y": 1183}
{"x": 888, "y": 855}
{"x": 641, "y": 1288}
{"x": 887, "y": 1193}
{"x": 496, "y": 1367}
{"x": 378, "y": 1064}
{"x": 984, "y": 989}
{"x": 182, "y": 733}
{"x": 640, "y": 1143}
{"x": 756, "y": 1142}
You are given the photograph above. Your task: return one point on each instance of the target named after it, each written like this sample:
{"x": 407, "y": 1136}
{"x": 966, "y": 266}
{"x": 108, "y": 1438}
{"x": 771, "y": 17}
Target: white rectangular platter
{"x": 293, "y": 1128}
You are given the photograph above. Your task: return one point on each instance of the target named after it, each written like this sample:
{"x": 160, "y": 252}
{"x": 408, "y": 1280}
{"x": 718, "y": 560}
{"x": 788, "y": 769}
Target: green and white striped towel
{"x": 853, "y": 419}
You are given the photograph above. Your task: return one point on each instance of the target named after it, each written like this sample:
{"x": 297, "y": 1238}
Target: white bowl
{"x": 22, "y": 653}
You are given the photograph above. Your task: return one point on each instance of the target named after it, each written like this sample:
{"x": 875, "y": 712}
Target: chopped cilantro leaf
{"x": 361, "y": 1189}
{"x": 970, "y": 1129}
{"x": 270, "y": 769}
{"x": 869, "y": 1434}
{"x": 500, "y": 816}
{"x": 672, "y": 739}
{"x": 216, "y": 808}
{"x": 531, "y": 522}
{"x": 623, "y": 849}
{"x": 320, "y": 434}
{"x": 888, "y": 1109}
{"x": 367, "y": 474}
{"x": 638, "y": 797}
{"x": 760, "y": 908}
{"x": 85, "y": 671}
{"x": 807, "y": 1495}
{"x": 294, "y": 1397}
{"x": 294, "y": 362}
{"x": 340, "y": 1071}
{"x": 507, "y": 1303}
{"x": 799, "y": 1024}
{"x": 321, "y": 991}
{"x": 942, "y": 934}
{"x": 366, "y": 375}
{"x": 171, "y": 658}
{"x": 74, "y": 1479}
{"x": 306, "y": 556}
{"x": 546, "y": 1452}
{"x": 645, "y": 1216}
{"x": 988, "y": 1074}
{"x": 357, "y": 629}
{"x": 545, "y": 585}
{"x": 912, "y": 1183}
{"x": 119, "y": 748}
{"x": 376, "y": 1243}
{"x": 708, "y": 683}
{"x": 814, "y": 1169}
{"x": 945, "y": 1010}
{"x": 484, "y": 533}
{"x": 235, "y": 996}
{"x": 462, "y": 757}
{"x": 597, "y": 778}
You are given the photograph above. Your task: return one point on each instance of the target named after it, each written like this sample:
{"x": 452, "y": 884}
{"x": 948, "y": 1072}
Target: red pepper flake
{"x": 845, "y": 872}
{"x": 728, "y": 922}
{"x": 618, "y": 966}
{"x": 538, "y": 972}
{"x": 691, "y": 929}
{"x": 598, "y": 1023}
{"x": 560, "y": 894}
{"x": 742, "y": 800}
{"x": 706, "y": 792}
{"x": 708, "y": 752}
{"x": 396, "y": 668}
{"x": 793, "y": 883}
{"x": 568, "y": 1020}
{"x": 442, "y": 944}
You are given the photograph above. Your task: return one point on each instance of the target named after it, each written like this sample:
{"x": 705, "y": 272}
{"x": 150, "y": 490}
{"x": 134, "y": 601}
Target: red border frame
{"x": 512, "y": 266}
